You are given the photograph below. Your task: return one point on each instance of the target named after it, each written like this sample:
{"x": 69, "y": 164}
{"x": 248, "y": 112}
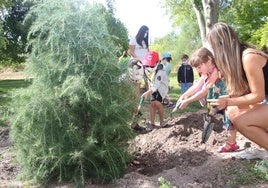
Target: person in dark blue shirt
{"x": 185, "y": 74}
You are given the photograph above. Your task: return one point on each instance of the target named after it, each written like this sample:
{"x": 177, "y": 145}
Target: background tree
{"x": 206, "y": 12}
{"x": 14, "y": 31}
{"x": 260, "y": 37}
{"x": 185, "y": 36}
{"x": 3, "y": 40}
{"x": 71, "y": 123}
{"x": 178, "y": 43}
{"x": 117, "y": 29}
{"x": 248, "y": 18}
{"x": 6, "y": 3}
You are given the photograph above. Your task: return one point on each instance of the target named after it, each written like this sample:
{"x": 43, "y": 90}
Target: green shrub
{"x": 71, "y": 123}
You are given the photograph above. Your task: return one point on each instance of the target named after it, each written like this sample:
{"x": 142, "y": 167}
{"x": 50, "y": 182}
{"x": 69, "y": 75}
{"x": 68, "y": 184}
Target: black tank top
{"x": 265, "y": 72}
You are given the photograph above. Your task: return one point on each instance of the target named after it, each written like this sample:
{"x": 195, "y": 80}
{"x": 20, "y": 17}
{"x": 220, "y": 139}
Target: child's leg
{"x": 152, "y": 112}
{"x": 231, "y": 137}
{"x": 160, "y": 110}
{"x": 230, "y": 144}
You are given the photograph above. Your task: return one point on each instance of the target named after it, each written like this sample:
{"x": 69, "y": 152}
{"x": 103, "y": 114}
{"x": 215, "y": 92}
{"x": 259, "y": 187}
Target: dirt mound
{"x": 174, "y": 153}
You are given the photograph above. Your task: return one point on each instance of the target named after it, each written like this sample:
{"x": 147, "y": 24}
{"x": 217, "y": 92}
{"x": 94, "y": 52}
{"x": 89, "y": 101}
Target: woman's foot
{"x": 228, "y": 147}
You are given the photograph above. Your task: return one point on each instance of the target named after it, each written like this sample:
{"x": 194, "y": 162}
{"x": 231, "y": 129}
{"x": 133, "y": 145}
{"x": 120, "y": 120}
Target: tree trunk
{"x": 211, "y": 12}
{"x": 208, "y": 17}
{"x": 200, "y": 20}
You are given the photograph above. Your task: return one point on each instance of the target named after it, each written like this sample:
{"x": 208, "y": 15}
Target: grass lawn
{"x": 5, "y": 87}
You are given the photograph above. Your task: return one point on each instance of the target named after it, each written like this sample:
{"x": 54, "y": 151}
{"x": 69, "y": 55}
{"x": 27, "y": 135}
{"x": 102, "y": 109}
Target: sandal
{"x": 228, "y": 147}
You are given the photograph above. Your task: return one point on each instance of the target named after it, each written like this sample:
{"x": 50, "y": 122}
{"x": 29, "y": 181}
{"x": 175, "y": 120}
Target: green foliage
{"x": 6, "y": 86}
{"x": 14, "y": 32}
{"x": 186, "y": 38}
{"x": 246, "y": 176}
{"x": 247, "y": 17}
{"x": 5, "y": 3}
{"x": 119, "y": 31}
{"x": 180, "y": 11}
{"x": 261, "y": 169}
{"x": 186, "y": 42}
{"x": 72, "y": 122}
{"x": 260, "y": 37}
{"x": 166, "y": 44}
{"x": 3, "y": 40}
{"x": 164, "y": 183}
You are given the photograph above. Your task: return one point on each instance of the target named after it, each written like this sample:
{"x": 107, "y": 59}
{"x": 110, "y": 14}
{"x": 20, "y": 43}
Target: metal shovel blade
{"x": 207, "y": 128}
{"x": 206, "y": 132}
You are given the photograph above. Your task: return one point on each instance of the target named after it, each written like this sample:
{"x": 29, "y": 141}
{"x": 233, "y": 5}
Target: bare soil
{"x": 10, "y": 74}
{"x": 174, "y": 153}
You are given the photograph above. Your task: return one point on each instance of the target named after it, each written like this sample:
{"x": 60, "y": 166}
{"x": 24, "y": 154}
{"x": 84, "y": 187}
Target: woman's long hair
{"x": 227, "y": 51}
{"x": 140, "y": 36}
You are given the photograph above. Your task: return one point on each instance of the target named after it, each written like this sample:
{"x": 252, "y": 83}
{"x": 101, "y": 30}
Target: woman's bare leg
{"x": 253, "y": 124}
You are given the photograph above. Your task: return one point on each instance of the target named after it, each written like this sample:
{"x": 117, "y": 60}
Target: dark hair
{"x": 184, "y": 56}
{"x": 140, "y": 36}
{"x": 159, "y": 67}
{"x": 168, "y": 59}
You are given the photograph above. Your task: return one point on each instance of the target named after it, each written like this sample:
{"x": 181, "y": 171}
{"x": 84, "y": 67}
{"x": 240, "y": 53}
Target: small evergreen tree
{"x": 71, "y": 123}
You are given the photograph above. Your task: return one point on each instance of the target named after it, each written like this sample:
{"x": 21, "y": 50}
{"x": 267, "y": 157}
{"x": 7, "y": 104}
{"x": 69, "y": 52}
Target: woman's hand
{"x": 221, "y": 102}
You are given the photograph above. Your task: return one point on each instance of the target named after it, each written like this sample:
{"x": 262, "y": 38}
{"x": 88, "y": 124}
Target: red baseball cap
{"x": 151, "y": 59}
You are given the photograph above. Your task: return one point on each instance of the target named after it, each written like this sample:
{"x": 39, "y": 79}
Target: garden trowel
{"x": 207, "y": 128}
{"x": 135, "y": 124}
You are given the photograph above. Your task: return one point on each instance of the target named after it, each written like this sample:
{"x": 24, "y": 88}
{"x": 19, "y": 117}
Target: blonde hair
{"x": 202, "y": 55}
{"x": 228, "y": 57}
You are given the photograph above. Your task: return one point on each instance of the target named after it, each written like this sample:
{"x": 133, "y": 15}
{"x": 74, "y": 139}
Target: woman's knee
{"x": 238, "y": 123}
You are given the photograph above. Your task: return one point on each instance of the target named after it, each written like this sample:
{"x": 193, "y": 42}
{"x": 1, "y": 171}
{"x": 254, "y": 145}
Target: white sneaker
{"x": 253, "y": 153}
